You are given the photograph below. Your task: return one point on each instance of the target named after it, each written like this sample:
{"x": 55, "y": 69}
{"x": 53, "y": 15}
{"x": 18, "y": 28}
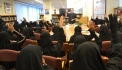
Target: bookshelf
{"x": 41, "y": 16}
{"x": 9, "y": 18}
{"x": 118, "y": 10}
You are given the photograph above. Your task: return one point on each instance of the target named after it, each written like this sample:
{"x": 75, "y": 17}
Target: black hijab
{"x": 4, "y": 39}
{"x": 56, "y": 32}
{"x": 45, "y": 40}
{"x": 88, "y": 58}
{"x": 78, "y": 29}
{"x": 28, "y": 32}
{"x": 120, "y": 35}
{"x": 16, "y": 25}
{"x": 77, "y": 41}
{"x": 30, "y": 58}
{"x": 104, "y": 33}
{"x": 115, "y": 57}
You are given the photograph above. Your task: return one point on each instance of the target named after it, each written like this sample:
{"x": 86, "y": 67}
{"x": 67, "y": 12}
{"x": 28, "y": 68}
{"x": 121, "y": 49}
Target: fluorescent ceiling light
{"x": 39, "y": 1}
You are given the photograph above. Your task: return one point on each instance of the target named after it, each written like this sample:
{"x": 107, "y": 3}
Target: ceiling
{"x": 56, "y": 3}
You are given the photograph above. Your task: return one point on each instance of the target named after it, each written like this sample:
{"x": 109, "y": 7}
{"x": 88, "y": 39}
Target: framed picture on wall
{"x": 8, "y": 7}
{"x": 46, "y": 11}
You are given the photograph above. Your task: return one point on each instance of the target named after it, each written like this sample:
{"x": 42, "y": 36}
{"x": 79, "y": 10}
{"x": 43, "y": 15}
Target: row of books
{"x": 8, "y": 18}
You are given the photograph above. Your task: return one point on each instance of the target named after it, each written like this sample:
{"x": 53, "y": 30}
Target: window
{"x": 31, "y": 13}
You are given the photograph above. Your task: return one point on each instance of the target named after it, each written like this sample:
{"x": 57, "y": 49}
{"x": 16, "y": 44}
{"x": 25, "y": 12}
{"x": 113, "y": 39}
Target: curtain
{"x": 31, "y": 13}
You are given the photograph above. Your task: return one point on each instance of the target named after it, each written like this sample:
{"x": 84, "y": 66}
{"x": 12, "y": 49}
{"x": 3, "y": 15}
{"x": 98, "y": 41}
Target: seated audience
{"x": 90, "y": 54}
{"x": 5, "y": 42}
{"x": 46, "y": 43}
{"x": 28, "y": 32}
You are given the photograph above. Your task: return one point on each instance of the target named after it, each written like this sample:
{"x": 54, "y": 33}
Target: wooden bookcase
{"x": 9, "y": 18}
{"x": 42, "y": 16}
{"x": 118, "y": 10}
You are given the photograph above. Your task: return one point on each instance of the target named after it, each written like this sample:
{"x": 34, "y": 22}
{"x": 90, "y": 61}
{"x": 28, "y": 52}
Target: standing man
{"x": 72, "y": 16}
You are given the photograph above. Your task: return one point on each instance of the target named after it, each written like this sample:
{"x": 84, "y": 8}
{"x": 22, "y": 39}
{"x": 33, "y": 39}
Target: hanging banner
{"x": 99, "y": 8}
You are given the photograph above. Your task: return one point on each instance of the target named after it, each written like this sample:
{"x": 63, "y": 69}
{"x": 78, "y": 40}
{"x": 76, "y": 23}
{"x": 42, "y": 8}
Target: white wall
{"x": 110, "y": 5}
{"x": 47, "y": 5}
{"x": 88, "y": 8}
{"x": 2, "y": 8}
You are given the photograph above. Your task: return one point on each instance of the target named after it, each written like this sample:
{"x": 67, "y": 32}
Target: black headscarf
{"x": 56, "y": 32}
{"x": 30, "y": 58}
{"x": 47, "y": 46}
{"x": 115, "y": 57}
{"x": 45, "y": 40}
{"x": 120, "y": 35}
{"x": 88, "y": 58}
{"x": 4, "y": 39}
{"x": 77, "y": 30}
{"x": 77, "y": 41}
{"x": 104, "y": 33}
{"x": 16, "y": 27}
{"x": 28, "y": 32}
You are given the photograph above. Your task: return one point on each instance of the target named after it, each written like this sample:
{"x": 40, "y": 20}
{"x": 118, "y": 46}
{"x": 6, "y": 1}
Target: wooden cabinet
{"x": 9, "y": 18}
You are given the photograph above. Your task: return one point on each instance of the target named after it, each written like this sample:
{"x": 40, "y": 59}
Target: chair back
{"x": 106, "y": 45}
{"x": 54, "y": 42}
{"x": 70, "y": 46}
{"x": 29, "y": 41}
{"x": 37, "y": 36}
{"x": 53, "y": 62}
{"x": 7, "y": 55}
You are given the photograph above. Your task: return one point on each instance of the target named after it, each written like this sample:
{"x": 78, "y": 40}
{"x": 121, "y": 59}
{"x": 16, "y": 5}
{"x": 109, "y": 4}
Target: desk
{"x": 69, "y": 30}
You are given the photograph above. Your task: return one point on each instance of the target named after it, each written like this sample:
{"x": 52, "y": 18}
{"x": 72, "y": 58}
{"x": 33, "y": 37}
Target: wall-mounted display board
{"x": 99, "y": 8}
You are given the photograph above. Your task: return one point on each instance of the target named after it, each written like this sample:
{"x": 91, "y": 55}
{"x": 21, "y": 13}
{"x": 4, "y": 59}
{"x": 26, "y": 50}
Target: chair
{"x": 70, "y": 46}
{"x": 37, "y": 36}
{"x": 53, "y": 62}
{"x": 106, "y": 45}
{"x": 105, "y": 59}
{"x": 29, "y": 41}
{"x": 54, "y": 42}
{"x": 7, "y": 55}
